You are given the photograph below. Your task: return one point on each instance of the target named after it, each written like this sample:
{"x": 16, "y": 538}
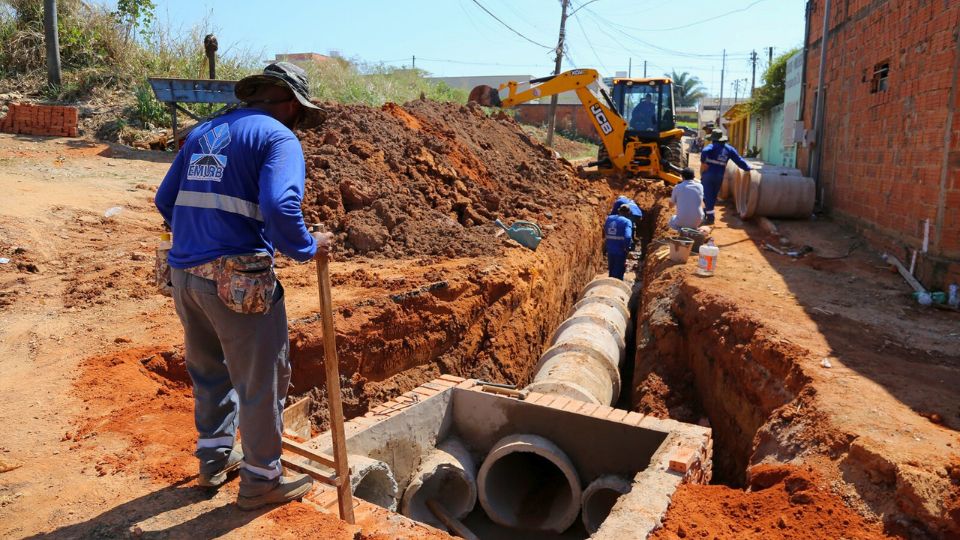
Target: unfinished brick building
{"x": 891, "y": 133}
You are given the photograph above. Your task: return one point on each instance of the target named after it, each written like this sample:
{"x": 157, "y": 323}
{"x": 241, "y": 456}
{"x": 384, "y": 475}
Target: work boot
{"x": 708, "y": 219}
{"x": 217, "y": 479}
{"x": 289, "y": 489}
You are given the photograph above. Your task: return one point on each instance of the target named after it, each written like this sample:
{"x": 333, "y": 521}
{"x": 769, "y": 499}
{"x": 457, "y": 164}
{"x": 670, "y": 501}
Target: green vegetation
{"x": 774, "y": 80}
{"x": 688, "y": 89}
{"x": 108, "y": 54}
{"x": 344, "y": 81}
{"x": 568, "y": 143}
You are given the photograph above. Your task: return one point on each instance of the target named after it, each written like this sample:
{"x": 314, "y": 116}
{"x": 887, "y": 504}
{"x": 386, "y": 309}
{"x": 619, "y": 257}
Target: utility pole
{"x": 644, "y": 69}
{"x": 630, "y": 67}
{"x": 52, "y": 39}
{"x": 723, "y": 68}
{"x": 817, "y": 153}
{"x": 753, "y": 78}
{"x": 414, "y": 62}
{"x": 552, "y": 122}
{"x": 769, "y": 56}
{"x": 736, "y": 90}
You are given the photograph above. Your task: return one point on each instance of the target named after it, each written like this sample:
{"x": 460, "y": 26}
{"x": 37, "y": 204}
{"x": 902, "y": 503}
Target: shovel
{"x": 525, "y": 233}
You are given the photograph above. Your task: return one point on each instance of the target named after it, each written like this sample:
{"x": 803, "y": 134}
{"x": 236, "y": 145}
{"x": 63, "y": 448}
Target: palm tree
{"x": 688, "y": 89}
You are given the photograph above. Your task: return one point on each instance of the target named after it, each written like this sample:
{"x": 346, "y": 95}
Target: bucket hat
{"x": 283, "y": 73}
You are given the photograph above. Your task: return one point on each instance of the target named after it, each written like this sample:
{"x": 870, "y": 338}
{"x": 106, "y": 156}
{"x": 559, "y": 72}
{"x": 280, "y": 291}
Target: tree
{"x": 774, "y": 80}
{"x": 134, "y": 14}
{"x": 688, "y": 89}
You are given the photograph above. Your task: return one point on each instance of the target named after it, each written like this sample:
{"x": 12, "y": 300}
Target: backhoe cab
{"x": 636, "y": 126}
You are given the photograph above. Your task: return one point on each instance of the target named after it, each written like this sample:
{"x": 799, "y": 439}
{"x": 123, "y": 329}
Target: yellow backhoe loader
{"x": 637, "y": 127}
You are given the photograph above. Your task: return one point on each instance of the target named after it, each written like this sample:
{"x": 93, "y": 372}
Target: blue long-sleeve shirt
{"x": 716, "y": 155}
{"x": 623, "y": 200}
{"x": 618, "y": 234}
{"x": 235, "y": 188}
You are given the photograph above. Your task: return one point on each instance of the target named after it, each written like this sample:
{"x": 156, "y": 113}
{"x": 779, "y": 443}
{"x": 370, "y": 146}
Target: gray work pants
{"x": 240, "y": 368}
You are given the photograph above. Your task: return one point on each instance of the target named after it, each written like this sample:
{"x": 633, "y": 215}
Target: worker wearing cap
{"x": 713, "y": 161}
{"x": 618, "y": 238}
{"x": 232, "y": 198}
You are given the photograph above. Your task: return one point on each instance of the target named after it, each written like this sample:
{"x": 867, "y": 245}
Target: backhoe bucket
{"x": 487, "y": 96}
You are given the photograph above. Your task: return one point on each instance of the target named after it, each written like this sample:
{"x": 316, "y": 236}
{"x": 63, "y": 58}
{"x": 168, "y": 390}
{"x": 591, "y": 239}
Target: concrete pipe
{"x": 599, "y": 498}
{"x": 447, "y": 475}
{"x": 786, "y": 196}
{"x": 726, "y": 186}
{"x": 527, "y": 482}
{"x": 583, "y": 361}
{"x": 607, "y": 287}
{"x": 746, "y": 185}
{"x": 579, "y": 372}
{"x": 771, "y": 194}
{"x": 373, "y": 481}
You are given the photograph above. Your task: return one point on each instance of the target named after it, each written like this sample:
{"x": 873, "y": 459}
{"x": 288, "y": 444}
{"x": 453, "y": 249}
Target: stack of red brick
{"x": 49, "y": 120}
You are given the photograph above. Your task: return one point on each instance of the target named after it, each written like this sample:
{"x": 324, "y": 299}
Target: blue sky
{"x": 456, "y": 37}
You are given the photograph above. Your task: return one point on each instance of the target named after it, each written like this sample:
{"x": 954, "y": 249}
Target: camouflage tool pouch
{"x": 246, "y": 283}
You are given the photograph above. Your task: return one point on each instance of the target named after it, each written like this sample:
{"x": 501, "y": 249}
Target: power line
{"x": 683, "y": 54}
{"x": 509, "y": 27}
{"x": 695, "y": 23}
{"x": 586, "y": 37}
{"x": 449, "y": 61}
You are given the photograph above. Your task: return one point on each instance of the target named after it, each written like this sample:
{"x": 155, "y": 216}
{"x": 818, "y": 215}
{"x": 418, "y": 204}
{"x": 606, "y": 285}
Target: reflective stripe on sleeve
{"x": 216, "y": 201}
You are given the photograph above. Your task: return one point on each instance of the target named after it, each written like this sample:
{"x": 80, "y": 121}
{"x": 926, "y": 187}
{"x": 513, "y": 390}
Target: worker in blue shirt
{"x": 618, "y": 237}
{"x": 644, "y": 115}
{"x": 713, "y": 161}
{"x": 232, "y": 199}
{"x": 636, "y": 215}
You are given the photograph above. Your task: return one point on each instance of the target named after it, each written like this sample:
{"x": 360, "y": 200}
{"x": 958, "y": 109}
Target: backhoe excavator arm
{"x": 609, "y": 124}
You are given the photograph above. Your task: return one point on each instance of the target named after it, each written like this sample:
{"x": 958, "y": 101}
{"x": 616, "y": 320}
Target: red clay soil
{"x": 144, "y": 395}
{"x": 783, "y": 502}
{"x": 427, "y": 178}
{"x": 821, "y": 362}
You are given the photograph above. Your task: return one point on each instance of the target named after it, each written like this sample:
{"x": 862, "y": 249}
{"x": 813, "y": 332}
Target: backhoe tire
{"x": 602, "y": 156}
{"x": 673, "y": 153}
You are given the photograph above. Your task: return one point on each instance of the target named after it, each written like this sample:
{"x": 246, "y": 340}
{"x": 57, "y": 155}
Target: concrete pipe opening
{"x": 527, "y": 482}
{"x": 599, "y": 498}
{"x": 447, "y": 475}
{"x": 373, "y": 481}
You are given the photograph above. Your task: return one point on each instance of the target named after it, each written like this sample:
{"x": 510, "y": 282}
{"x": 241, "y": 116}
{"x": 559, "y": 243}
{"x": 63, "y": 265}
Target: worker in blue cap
{"x": 618, "y": 239}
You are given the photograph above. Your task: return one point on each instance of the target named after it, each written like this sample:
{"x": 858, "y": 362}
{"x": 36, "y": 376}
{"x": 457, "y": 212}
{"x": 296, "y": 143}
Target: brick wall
{"x": 570, "y": 118}
{"x": 888, "y": 161}
{"x": 49, "y": 120}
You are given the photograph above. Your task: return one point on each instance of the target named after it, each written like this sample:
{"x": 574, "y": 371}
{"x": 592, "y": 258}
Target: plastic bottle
{"x": 953, "y": 299}
{"x": 162, "y": 266}
{"x": 707, "y": 263}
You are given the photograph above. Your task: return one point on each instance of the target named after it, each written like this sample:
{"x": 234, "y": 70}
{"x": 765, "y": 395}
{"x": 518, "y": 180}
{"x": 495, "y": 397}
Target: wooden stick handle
{"x": 455, "y": 525}
{"x": 331, "y": 364}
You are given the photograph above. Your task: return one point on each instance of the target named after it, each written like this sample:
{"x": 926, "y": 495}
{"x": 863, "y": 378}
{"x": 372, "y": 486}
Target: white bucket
{"x": 707, "y": 264}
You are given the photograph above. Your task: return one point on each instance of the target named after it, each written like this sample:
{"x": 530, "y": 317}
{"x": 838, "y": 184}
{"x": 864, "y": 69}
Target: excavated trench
{"x": 694, "y": 363}
{"x": 684, "y": 359}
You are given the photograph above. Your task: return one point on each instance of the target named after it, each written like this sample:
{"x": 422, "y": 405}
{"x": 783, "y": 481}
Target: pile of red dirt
{"x": 427, "y": 178}
{"x": 783, "y": 502}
